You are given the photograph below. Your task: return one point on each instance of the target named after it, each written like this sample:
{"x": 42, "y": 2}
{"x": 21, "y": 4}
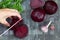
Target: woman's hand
{"x": 5, "y": 13}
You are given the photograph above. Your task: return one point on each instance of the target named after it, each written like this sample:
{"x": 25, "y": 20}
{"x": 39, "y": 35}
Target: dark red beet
{"x": 36, "y": 3}
{"x": 21, "y": 31}
{"x": 14, "y": 20}
{"x": 50, "y": 7}
{"x": 38, "y": 15}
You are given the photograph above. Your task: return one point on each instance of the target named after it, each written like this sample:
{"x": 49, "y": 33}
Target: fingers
{"x": 11, "y": 12}
{"x": 15, "y": 14}
{"x": 18, "y": 15}
{"x": 5, "y": 13}
{"x": 5, "y": 22}
{"x": 7, "y": 9}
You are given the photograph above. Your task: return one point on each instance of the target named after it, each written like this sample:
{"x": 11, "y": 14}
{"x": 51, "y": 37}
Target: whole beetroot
{"x": 38, "y": 15}
{"x": 21, "y": 31}
{"x": 50, "y": 7}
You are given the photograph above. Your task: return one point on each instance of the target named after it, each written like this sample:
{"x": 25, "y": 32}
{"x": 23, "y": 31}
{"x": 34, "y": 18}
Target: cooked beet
{"x": 38, "y": 15}
{"x": 21, "y": 31}
{"x": 50, "y": 7}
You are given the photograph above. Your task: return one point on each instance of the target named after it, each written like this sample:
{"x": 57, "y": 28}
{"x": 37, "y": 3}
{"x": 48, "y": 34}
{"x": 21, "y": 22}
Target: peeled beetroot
{"x": 50, "y": 7}
{"x": 38, "y": 15}
{"x": 21, "y": 31}
{"x": 36, "y": 3}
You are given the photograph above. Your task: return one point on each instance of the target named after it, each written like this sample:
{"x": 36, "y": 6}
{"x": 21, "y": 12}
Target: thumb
{"x": 5, "y": 22}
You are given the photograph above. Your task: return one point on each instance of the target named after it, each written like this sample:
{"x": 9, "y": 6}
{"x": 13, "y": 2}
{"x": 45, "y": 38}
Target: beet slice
{"x": 50, "y": 7}
{"x": 38, "y": 15}
{"x": 21, "y": 31}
